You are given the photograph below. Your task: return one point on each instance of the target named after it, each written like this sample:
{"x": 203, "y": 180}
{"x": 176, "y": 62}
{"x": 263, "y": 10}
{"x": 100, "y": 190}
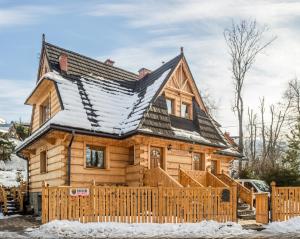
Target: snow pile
{"x": 10, "y": 169}
{"x": 290, "y": 226}
{"x": 59, "y": 229}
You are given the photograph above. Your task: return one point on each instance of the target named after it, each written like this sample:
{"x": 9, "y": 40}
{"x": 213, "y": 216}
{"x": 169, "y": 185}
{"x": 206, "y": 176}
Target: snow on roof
{"x": 192, "y": 135}
{"x": 101, "y": 105}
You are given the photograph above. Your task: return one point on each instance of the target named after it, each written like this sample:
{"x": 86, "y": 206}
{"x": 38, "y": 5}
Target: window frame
{"x": 46, "y": 104}
{"x": 172, "y": 105}
{"x": 106, "y": 156}
{"x": 45, "y": 159}
{"x": 188, "y": 107}
{"x": 98, "y": 148}
{"x": 131, "y": 155}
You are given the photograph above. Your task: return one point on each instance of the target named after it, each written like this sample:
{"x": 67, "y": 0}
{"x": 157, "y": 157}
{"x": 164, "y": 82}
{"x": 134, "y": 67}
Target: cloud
{"x": 24, "y": 15}
{"x": 12, "y": 95}
{"x": 198, "y": 26}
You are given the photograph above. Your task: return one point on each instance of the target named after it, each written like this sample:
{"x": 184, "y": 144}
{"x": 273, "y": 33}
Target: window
{"x": 198, "y": 161}
{"x": 43, "y": 161}
{"x": 95, "y": 157}
{"x": 170, "y": 106}
{"x": 131, "y": 155}
{"x": 45, "y": 111}
{"x": 185, "y": 110}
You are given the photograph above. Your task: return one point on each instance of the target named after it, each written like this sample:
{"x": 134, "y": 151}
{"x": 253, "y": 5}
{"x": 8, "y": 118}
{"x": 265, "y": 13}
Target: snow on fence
{"x": 139, "y": 204}
{"x": 285, "y": 202}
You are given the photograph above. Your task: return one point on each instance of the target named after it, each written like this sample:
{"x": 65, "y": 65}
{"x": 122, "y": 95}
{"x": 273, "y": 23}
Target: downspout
{"x": 69, "y": 158}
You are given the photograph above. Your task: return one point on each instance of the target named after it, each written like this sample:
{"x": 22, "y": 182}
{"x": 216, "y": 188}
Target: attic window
{"x": 45, "y": 111}
{"x": 185, "y": 110}
{"x": 170, "y": 106}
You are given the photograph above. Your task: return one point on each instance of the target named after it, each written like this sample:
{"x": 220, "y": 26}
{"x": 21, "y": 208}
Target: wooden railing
{"x": 187, "y": 181}
{"x": 285, "y": 202}
{"x": 213, "y": 181}
{"x": 199, "y": 176}
{"x": 205, "y": 178}
{"x": 158, "y": 177}
{"x": 3, "y": 200}
{"x": 244, "y": 193}
{"x": 139, "y": 204}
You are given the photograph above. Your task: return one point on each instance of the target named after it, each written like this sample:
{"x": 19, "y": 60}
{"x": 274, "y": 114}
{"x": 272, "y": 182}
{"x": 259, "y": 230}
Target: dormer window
{"x": 170, "y": 106}
{"x": 185, "y": 110}
{"x": 45, "y": 111}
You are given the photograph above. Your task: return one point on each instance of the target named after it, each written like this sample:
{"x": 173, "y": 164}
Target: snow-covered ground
{"x": 206, "y": 229}
{"x": 10, "y": 169}
{"x": 58, "y": 229}
{"x": 290, "y": 226}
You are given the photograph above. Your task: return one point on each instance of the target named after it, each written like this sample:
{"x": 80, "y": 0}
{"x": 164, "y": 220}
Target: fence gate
{"x": 262, "y": 208}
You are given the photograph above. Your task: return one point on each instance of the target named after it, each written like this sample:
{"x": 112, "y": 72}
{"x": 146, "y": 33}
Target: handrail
{"x": 214, "y": 181}
{"x": 186, "y": 180}
{"x": 158, "y": 177}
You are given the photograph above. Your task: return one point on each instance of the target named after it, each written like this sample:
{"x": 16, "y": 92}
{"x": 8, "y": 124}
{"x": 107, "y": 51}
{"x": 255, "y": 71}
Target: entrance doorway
{"x": 156, "y": 157}
{"x": 198, "y": 162}
{"x": 214, "y": 167}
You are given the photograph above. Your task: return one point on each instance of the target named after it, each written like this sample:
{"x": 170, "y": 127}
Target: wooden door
{"x": 156, "y": 157}
{"x": 214, "y": 166}
{"x": 198, "y": 162}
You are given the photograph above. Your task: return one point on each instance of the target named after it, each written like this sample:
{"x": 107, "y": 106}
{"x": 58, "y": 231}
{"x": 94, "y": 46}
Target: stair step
{"x": 247, "y": 217}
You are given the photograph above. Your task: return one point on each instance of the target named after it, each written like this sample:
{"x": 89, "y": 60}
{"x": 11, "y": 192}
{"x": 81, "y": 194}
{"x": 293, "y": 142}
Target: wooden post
{"x": 273, "y": 202}
{"x": 45, "y": 203}
{"x": 252, "y": 198}
{"x": 234, "y": 201}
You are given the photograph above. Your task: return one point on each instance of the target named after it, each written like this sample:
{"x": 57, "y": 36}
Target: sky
{"x": 138, "y": 34}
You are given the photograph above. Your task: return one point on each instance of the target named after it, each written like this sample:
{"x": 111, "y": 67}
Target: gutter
{"x": 69, "y": 158}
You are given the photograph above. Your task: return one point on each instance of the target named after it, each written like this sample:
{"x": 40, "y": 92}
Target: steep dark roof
{"x": 80, "y": 65}
{"x": 103, "y": 99}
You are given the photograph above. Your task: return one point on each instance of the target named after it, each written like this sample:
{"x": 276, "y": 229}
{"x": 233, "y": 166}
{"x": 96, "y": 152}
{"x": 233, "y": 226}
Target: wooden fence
{"x": 285, "y": 202}
{"x": 139, "y": 204}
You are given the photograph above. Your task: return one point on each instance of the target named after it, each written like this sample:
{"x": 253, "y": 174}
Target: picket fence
{"x": 285, "y": 202}
{"x": 139, "y": 204}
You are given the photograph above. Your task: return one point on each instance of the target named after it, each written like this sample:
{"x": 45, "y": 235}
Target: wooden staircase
{"x": 244, "y": 194}
{"x": 158, "y": 177}
{"x": 196, "y": 178}
{"x": 11, "y": 200}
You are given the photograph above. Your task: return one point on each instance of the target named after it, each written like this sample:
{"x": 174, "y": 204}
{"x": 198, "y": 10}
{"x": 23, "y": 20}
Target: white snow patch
{"x": 58, "y": 229}
{"x": 6, "y": 217}
{"x": 290, "y": 226}
{"x": 9, "y": 170}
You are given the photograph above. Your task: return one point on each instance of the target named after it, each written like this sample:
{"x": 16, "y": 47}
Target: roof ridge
{"x": 90, "y": 58}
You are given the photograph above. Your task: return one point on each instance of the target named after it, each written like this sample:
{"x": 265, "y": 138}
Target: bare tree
{"x": 245, "y": 41}
{"x": 252, "y": 131}
{"x": 292, "y": 94}
{"x": 210, "y": 102}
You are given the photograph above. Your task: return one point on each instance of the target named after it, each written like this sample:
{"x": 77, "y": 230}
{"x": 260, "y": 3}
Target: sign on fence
{"x": 79, "y": 192}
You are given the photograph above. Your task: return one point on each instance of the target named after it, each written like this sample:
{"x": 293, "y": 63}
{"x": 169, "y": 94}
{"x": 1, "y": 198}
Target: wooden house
{"x": 94, "y": 122}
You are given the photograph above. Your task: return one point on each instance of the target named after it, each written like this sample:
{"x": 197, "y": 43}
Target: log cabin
{"x": 93, "y": 122}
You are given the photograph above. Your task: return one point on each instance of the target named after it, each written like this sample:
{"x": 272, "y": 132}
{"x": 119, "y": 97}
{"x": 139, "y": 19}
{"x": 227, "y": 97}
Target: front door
{"x": 198, "y": 162}
{"x": 214, "y": 166}
{"x": 156, "y": 157}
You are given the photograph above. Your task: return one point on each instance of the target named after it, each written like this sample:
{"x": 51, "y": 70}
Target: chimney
{"x": 143, "y": 72}
{"x": 109, "y": 62}
{"x": 63, "y": 62}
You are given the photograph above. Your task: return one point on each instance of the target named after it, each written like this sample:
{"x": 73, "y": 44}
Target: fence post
{"x": 45, "y": 203}
{"x": 234, "y": 201}
{"x": 273, "y": 202}
{"x": 160, "y": 203}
